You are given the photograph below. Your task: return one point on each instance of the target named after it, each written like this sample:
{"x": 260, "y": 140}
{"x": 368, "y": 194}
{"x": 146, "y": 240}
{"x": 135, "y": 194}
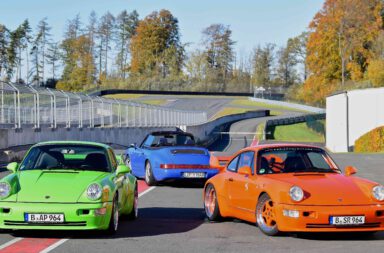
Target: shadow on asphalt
{"x": 152, "y": 221}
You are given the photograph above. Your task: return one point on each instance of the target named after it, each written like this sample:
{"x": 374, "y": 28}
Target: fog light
{"x": 291, "y": 213}
{"x": 101, "y": 211}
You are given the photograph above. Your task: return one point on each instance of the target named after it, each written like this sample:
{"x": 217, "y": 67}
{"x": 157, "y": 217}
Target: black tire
{"x": 265, "y": 215}
{"x": 135, "y": 209}
{"x": 211, "y": 205}
{"x": 127, "y": 161}
{"x": 149, "y": 178}
{"x": 114, "y": 220}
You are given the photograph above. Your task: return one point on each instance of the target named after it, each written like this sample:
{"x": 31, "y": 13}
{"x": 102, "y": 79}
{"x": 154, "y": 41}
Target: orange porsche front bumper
{"x": 317, "y": 218}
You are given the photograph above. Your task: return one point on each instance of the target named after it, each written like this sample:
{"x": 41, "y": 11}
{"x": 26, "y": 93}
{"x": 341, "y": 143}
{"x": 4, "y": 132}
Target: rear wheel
{"x": 211, "y": 205}
{"x": 266, "y": 215}
{"x": 114, "y": 221}
{"x": 135, "y": 209}
{"x": 149, "y": 178}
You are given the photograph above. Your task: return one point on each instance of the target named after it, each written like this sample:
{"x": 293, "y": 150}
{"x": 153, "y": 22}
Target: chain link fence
{"x": 28, "y": 106}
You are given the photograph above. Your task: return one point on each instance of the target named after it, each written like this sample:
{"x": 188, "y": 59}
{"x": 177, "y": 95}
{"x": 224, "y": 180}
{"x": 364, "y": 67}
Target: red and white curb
{"x": 45, "y": 245}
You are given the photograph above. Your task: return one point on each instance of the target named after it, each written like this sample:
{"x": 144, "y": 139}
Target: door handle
{"x": 230, "y": 179}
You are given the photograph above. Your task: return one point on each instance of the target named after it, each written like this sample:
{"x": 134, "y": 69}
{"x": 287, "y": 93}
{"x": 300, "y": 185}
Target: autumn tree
{"x": 156, "y": 50}
{"x": 339, "y": 44}
{"x": 78, "y": 62}
{"x": 298, "y": 46}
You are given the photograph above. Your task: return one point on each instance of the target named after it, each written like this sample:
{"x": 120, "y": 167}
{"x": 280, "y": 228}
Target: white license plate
{"x": 44, "y": 218}
{"x": 347, "y": 220}
{"x": 194, "y": 175}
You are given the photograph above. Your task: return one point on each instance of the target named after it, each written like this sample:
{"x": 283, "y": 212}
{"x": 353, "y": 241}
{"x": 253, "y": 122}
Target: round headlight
{"x": 94, "y": 191}
{"x": 5, "y": 189}
{"x": 378, "y": 192}
{"x": 296, "y": 193}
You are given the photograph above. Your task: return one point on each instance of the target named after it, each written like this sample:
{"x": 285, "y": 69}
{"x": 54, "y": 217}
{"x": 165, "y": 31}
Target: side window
{"x": 247, "y": 159}
{"x": 148, "y": 141}
{"x": 112, "y": 158}
{"x": 232, "y": 166}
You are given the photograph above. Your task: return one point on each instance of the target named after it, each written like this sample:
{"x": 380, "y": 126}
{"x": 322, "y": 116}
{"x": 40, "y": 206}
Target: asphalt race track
{"x": 171, "y": 219}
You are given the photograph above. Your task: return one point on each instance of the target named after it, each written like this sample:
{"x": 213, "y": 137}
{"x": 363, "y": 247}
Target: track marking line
{"x": 45, "y": 245}
{"x": 15, "y": 240}
{"x": 146, "y": 191}
{"x": 55, "y": 245}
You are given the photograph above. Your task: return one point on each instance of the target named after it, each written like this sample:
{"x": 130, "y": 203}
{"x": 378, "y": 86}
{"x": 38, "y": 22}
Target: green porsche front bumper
{"x": 77, "y": 216}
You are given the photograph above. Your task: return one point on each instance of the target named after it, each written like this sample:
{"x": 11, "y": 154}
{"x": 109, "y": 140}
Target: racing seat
{"x": 96, "y": 161}
{"x": 293, "y": 164}
{"x": 264, "y": 166}
{"x": 190, "y": 142}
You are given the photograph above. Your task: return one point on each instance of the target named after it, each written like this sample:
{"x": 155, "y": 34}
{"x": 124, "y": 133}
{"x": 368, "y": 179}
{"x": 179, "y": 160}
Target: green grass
{"x": 299, "y": 132}
{"x": 246, "y": 102}
{"x": 229, "y": 111}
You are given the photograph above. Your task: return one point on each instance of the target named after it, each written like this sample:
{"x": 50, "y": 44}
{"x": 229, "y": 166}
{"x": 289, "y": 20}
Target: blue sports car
{"x": 167, "y": 156}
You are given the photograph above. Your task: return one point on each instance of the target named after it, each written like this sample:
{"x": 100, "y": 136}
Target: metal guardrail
{"x": 27, "y": 106}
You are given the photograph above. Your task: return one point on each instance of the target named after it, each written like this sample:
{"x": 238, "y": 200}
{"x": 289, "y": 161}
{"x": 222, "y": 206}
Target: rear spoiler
{"x": 219, "y": 162}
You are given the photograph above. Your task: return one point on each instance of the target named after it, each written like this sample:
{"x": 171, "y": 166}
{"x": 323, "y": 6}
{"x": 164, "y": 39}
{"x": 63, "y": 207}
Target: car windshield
{"x": 295, "y": 160}
{"x": 161, "y": 140}
{"x": 66, "y": 157}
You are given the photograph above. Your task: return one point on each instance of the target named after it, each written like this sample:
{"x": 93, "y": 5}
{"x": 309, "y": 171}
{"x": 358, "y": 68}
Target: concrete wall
{"x": 290, "y": 105}
{"x": 351, "y": 115}
{"x": 120, "y": 136}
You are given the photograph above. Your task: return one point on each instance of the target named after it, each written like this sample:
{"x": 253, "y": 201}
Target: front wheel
{"x": 266, "y": 215}
{"x": 114, "y": 221}
{"x": 149, "y": 178}
{"x": 211, "y": 205}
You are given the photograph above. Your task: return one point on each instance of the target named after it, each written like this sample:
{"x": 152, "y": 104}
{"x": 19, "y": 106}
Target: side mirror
{"x": 133, "y": 145}
{"x": 350, "y": 170}
{"x": 13, "y": 167}
{"x": 245, "y": 170}
{"x": 122, "y": 169}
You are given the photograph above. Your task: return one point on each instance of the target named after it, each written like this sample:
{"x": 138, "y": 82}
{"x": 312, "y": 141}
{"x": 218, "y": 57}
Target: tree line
{"x": 128, "y": 52}
{"x": 341, "y": 49}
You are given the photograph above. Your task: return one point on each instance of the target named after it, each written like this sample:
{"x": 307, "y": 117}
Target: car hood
{"x": 55, "y": 185}
{"x": 328, "y": 188}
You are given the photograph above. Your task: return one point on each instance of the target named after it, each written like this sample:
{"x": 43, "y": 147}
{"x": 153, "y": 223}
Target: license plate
{"x": 347, "y": 220}
{"x": 44, "y": 218}
{"x": 194, "y": 175}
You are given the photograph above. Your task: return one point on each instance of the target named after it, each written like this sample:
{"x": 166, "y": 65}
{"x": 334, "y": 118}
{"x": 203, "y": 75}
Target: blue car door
{"x": 137, "y": 158}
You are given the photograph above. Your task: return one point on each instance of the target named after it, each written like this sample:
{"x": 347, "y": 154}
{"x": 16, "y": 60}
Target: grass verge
{"x": 300, "y": 132}
{"x": 245, "y": 102}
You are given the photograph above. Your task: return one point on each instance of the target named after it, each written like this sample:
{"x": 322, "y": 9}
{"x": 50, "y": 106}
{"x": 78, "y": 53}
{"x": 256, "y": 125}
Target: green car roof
{"x": 72, "y": 143}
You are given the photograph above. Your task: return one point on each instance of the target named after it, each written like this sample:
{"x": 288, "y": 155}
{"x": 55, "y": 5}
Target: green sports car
{"x": 69, "y": 186}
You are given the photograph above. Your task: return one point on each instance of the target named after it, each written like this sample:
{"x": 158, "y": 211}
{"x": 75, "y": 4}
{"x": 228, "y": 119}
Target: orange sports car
{"x": 294, "y": 188}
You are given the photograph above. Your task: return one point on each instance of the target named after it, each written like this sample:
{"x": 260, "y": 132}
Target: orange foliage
{"x": 372, "y": 141}
{"x": 341, "y": 35}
